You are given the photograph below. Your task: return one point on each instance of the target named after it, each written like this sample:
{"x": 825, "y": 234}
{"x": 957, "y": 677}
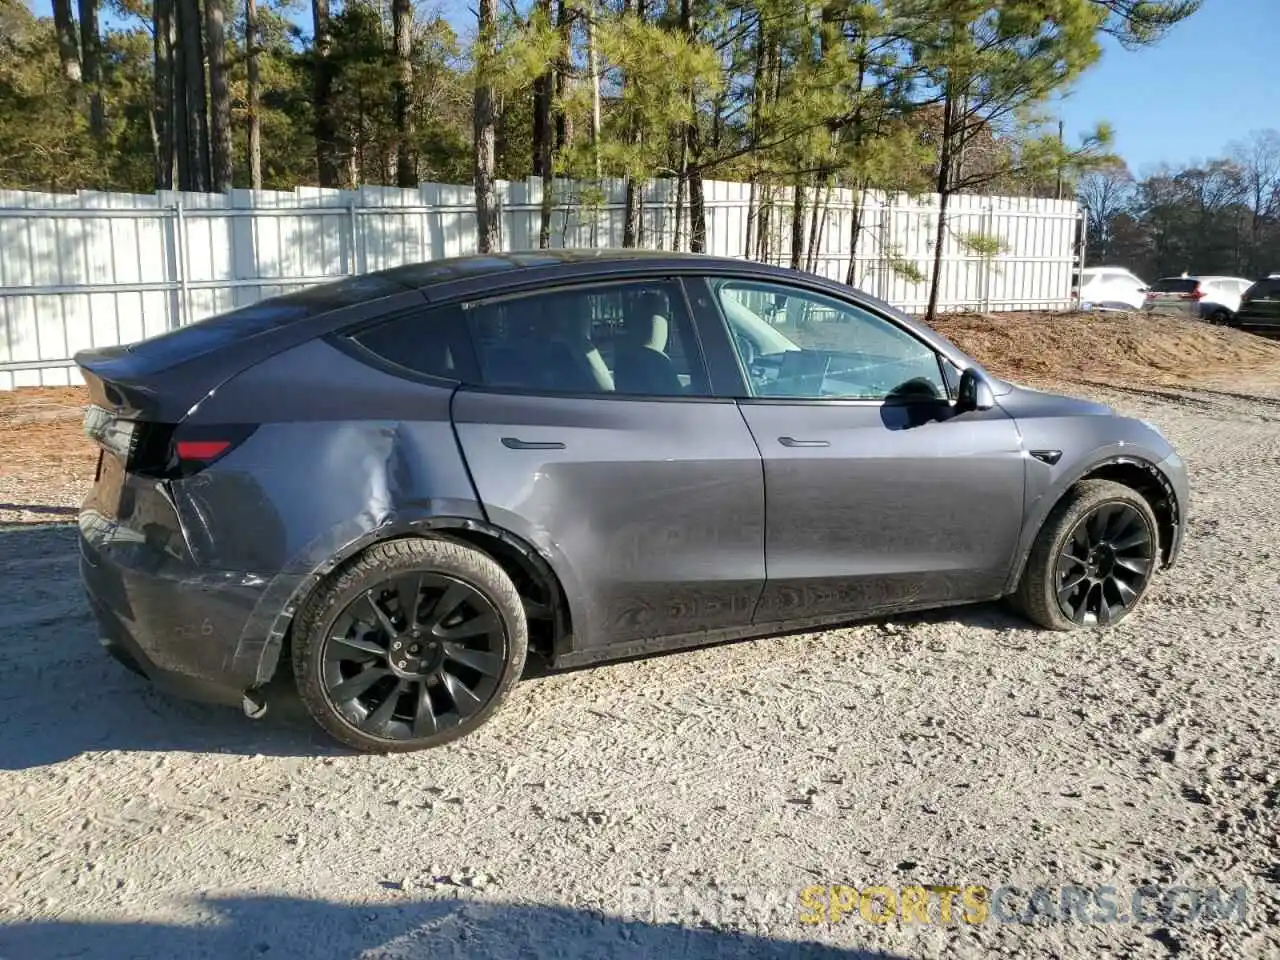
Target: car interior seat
{"x": 642, "y": 365}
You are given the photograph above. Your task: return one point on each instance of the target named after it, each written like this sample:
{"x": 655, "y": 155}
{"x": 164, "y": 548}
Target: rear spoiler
{"x": 130, "y": 387}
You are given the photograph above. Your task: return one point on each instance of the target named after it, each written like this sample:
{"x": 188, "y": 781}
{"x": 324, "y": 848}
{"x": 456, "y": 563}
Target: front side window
{"x": 803, "y": 345}
{"x": 625, "y": 338}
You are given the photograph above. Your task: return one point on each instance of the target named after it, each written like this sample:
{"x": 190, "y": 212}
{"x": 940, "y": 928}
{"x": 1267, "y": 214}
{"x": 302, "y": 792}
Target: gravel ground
{"x": 958, "y": 748}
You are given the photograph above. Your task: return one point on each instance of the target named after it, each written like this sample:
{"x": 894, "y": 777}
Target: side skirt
{"x": 754, "y": 631}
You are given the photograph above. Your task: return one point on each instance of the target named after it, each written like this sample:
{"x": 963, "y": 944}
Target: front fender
{"x": 1047, "y": 483}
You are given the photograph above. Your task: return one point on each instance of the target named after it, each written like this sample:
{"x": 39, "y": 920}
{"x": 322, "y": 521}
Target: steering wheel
{"x": 746, "y": 350}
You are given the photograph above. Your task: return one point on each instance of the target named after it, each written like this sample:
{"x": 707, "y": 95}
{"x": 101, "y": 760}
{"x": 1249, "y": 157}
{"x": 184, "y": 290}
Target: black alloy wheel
{"x": 1105, "y": 564}
{"x": 413, "y": 645}
{"x": 1092, "y": 560}
{"x": 413, "y": 656}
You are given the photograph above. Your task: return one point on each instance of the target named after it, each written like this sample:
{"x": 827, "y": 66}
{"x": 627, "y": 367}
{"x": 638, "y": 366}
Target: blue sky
{"x": 1213, "y": 79}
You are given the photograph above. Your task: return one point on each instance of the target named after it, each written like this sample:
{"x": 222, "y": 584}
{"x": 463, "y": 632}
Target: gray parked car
{"x": 1213, "y": 299}
{"x": 400, "y": 484}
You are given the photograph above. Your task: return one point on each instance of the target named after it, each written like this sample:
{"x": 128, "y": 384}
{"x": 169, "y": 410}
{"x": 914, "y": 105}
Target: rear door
{"x": 591, "y": 433}
{"x": 878, "y": 495}
{"x": 1260, "y": 308}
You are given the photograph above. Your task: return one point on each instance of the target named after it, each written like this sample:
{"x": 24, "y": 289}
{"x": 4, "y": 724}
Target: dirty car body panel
{"x": 246, "y": 458}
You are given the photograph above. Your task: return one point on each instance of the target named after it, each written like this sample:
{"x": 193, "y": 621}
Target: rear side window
{"x": 428, "y": 341}
{"x": 1175, "y": 285}
{"x": 624, "y": 338}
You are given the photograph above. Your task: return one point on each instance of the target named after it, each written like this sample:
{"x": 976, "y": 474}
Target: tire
{"x": 1220, "y": 319}
{"x": 1090, "y": 501}
{"x": 323, "y": 661}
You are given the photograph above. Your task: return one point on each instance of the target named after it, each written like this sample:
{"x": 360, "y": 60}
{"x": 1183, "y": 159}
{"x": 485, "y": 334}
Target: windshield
{"x": 745, "y": 322}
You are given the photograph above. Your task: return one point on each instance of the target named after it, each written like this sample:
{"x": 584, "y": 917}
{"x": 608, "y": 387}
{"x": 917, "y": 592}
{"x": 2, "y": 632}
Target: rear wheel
{"x": 411, "y": 646}
{"x": 1220, "y": 318}
{"x": 1093, "y": 559}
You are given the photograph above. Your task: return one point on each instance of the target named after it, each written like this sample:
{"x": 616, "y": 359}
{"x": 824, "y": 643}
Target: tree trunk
{"x": 485, "y": 126}
{"x": 944, "y": 195}
{"x": 691, "y": 166}
{"x": 193, "y": 166}
{"x": 543, "y": 85}
{"x": 219, "y": 96}
{"x": 255, "y": 94}
{"x": 815, "y": 224}
{"x": 797, "y": 225}
{"x": 162, "y": 92}
{"x": 564, "y": 123}
{"x": 764, "y": 237}
{"x": 91, "y": 66}
{"x": 64, "y": 25}
{"x": 325, "y": 127}
{"x": 631, "y": 221}
{"x": 402, "y": 27}
{"x": 593, "y": 67}
{"x": 758, "y": 93}
{"x": 855, "y": 234}
{"x": 697, "y": 213}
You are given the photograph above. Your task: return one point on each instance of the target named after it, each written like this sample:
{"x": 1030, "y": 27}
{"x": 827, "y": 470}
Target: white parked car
{"x": 1108, "y": 288}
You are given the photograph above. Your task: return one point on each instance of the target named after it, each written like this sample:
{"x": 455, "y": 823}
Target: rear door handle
{"x": 515, "y": 443}
{"x": 793, "y": 442}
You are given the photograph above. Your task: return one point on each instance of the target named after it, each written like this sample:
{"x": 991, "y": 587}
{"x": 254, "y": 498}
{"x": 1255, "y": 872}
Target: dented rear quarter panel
{"x": 351, "y": 455}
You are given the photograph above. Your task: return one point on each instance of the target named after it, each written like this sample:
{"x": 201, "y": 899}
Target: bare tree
{"x": 219, "y": 96}
{"x": 1104, "y": 193}
{"x": 485, "y": 121}
{"x": 1258, "y": 160}
{"x": 255, "y": 94}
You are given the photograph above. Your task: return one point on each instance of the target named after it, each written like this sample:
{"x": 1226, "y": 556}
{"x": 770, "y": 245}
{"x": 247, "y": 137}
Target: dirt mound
{"x": 1109, "y": 346}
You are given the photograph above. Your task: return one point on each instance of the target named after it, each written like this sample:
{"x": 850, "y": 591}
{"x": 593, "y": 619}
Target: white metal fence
{"x": 95, "y": 269}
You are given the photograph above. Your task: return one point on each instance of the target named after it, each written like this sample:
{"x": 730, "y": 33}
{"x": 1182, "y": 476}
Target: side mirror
{"x": 975, "y": 392}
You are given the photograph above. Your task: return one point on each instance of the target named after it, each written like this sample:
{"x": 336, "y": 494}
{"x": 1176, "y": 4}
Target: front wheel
{"x": 1220, "y": 319}
{"x": 1093, "y": 559}
{"x": 414, "y": 644}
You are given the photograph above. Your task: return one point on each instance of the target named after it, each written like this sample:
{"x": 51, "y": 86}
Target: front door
{"x": 593, "y": 435}
{"x": 879, "y": 495}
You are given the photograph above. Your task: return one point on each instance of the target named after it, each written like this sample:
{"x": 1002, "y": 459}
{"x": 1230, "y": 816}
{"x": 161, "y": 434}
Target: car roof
{"x": 1201, "y": 276}
{"x": 433, "y": 272}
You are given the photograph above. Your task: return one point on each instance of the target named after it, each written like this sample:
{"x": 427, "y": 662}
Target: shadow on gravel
{"x": 281, "y": 927}
{"x": 61, "y": 695}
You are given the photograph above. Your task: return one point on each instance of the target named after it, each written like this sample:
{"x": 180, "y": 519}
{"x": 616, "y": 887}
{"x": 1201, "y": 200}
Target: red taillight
{"x": 201, "y": 450}
{"x": 1151, "y": 294}
{"x": 1196, "y": 294}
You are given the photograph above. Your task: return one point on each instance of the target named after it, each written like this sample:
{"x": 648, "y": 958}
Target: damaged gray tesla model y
{"x": 399, "y": 485}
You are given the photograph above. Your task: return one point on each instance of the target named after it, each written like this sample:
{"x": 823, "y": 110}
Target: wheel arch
{"x": 1137, "y": 473}
{"x": 545, "y": 600}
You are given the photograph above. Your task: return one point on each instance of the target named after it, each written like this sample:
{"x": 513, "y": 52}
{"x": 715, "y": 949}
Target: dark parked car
{"x": 400, "y": 483}
{"x": 1260, "y": 308}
